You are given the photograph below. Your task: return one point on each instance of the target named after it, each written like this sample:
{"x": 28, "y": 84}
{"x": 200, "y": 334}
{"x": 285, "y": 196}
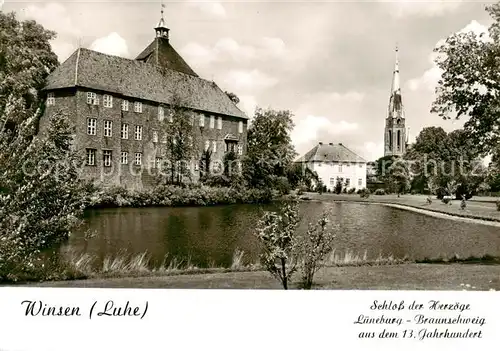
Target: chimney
{"x": 341, "y": 144}
{"x": 330, "y": 144}
{"x": 321, "y": 143}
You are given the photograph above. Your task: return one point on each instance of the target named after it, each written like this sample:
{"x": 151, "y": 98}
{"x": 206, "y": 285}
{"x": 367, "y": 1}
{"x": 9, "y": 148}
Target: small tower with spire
{"x": 395, "y": 140}
{"x": 161, "y": 53}
{"x": 161, "y": 29}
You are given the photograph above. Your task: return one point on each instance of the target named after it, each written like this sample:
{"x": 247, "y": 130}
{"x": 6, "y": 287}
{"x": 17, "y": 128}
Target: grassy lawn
{"x": 475, "y": 209}
{"x": 394, "y": 277}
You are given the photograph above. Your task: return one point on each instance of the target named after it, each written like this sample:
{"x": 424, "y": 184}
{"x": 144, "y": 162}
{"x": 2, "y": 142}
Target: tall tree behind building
{"x": 470, "y": 83}
{"x": 270, "y": 149}
{"x": 26, "y": 59}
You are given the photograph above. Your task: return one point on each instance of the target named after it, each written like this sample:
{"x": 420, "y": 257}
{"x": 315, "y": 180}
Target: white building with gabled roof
{"x": 335, "y": 161}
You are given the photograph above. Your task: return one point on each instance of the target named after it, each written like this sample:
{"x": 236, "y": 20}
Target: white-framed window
{"x": 348, "y": 182}
{"x": 158, "y": 162}
{"x": 191, "y": 119}
{"x": 212, "y": 122}
{"x": 171, "y": 116}
{"x": 107, "y": 101}
{"x": 340, "y": 168}
{"x": 91, "y": 157}
{"x": 138, "y": 158}
{"x": 124, "y": 133}
{"x": 124, "y": 158}
{"x": 91, "y": 126}
{"x": 219, "y": 122}
{"x": 360, "y": 165}
{"x": 138, "y": 133}
{"x": 108, "y": 128}
{"x": 240, "y": 149}
{"x": 164, "y": 139}
{"x": 240, "y": 127}
{"x": 360, "y": 182}
{"x": 214, "y": 146}
{"x": 202, "y": 120}
{"x": 92, "y": 98}
{"x": 125, "y": 105}
{"x": 138, "y": 107}
{"x": 155, "y": 136}
{"x": 332, "y": 181}
{"x": 161, "y": 113}
{"x": 196, "y": 167}
{"x": 106, "y": 157}
{"x": 51, "y": 99}
{"x": 207, "y": 145}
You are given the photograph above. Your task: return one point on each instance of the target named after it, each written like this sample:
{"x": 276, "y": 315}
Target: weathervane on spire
{"x": 161, "y": 29}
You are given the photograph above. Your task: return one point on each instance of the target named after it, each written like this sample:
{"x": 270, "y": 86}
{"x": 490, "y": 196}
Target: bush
{"x": 379, "y": 192}
{"x": 498, "y": 205}
{"x": 276, "y": 233}
{"x": 313, "y": 247}
{"x": 364, "y": 193}
{"x": 171, "y": 195}
{"x": 301, "y": 190}
{"x": 282, "y": 185}
{"x": 463, "y": 190}
{"x": 440, "y": 193}
{"x": 351, "y": 191}
{"x": 446, "y": 199}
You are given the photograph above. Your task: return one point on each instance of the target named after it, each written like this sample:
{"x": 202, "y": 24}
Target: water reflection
{"x": 210, "y": 235}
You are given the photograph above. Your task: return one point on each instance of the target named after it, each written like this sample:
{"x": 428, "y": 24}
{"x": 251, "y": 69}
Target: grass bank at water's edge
{"x": 84, "y": 266}
{"x": 140, "y": 264}
{"x": 474, "y": 211}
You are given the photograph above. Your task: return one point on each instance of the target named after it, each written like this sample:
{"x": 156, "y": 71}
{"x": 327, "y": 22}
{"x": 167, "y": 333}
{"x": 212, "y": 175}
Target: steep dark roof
{"x": 331, "y": 153}
{"x": 140, "y": 80}
{"x": 160, "y": 52}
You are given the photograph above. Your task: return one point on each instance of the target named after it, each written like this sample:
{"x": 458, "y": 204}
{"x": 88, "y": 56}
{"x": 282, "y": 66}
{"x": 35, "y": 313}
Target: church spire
{"x": 162, "y": 30}
{"x": 395, "y": 76}
{"x": 395, "y": 136}
{"x": 395, "y": 101}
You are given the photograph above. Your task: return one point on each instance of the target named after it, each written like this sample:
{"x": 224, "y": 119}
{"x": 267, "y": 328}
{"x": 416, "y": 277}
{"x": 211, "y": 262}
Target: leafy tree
{"x": 270, "y": 151}
{"x": 438, "y": 157}
{"x": 178, "y": 146}
{"x": 233, "y": 97}
{"x": 300, "y": 175}
{"x": 276, "y": 233}
{"x": 399, "y": 177}
{"x": 317, "y": 242}
{"x": 470, "y": 83}
{"x": 382, "y": 166}
{"x": 26, "y": 59}
{"x": 229, "y": 164}
{"x": 338, "y": 186}
{"x": 41, "y": 195}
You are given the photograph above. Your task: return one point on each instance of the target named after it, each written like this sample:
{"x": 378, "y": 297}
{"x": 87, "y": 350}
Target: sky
{"x": 329, "y": 62}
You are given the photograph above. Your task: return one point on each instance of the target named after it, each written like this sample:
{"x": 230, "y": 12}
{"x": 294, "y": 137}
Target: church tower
{"x": 395, "y": 140}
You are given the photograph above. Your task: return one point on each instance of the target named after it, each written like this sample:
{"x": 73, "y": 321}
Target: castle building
{"x": 395, "y": 136}
{"x": 117, "y": 106}
{"x": 335, "y": 162}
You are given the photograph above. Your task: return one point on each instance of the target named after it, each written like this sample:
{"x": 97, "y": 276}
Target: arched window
{"x": 399, "y": 140}
{"x": 390, "y": 140}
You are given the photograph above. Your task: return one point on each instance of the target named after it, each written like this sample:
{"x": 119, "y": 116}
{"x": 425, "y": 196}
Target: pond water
{"x": 210, "y": 235}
